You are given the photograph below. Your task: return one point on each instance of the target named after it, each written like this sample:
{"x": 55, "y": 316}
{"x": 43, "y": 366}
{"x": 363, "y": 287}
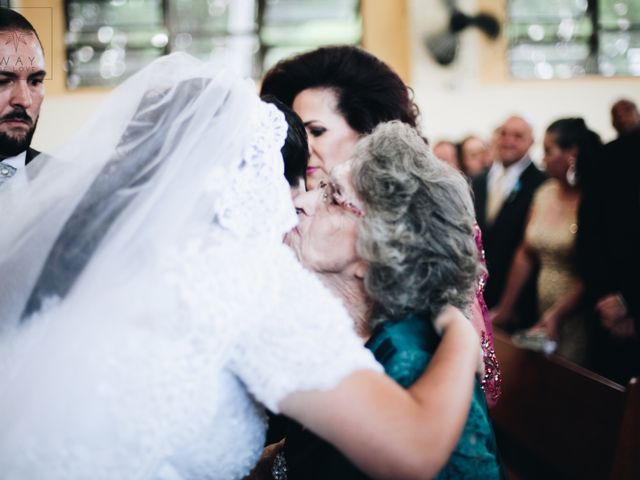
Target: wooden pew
{"x": 558, "y": 420}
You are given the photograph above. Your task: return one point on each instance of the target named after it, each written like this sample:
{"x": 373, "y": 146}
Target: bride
{"x": 149, "y": 310}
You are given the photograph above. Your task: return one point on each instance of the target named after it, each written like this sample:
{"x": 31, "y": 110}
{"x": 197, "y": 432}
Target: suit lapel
{"x": 515, "y": 192}
{"x": 31, "y": 154}
{"x": 481, "y": 198}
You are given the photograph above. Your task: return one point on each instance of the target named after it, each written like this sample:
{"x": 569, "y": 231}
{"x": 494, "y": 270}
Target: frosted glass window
{"x": 106, "y": 41}
{"x": 572, "y": 38}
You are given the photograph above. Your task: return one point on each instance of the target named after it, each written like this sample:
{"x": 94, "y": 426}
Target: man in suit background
{"x": 22, "y": 72}
{"x": 608, "y": 250}
{"x": 625, "y": 117}
{"x": 503, "y": 195}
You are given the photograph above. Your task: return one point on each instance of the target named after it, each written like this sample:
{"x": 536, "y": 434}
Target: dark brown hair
{"x": 368, "y": 91}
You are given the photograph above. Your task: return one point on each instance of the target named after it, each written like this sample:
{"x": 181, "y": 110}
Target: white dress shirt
{"x": 18, "y": 162}
{"x": 511, "y": 176}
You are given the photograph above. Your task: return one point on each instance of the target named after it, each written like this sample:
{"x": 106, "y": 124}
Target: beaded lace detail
{"x": 258, "y": 186}
{"x": 492, "y": 378}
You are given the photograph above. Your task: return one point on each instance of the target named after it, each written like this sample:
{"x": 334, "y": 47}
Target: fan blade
{"x": 459, "y": 21}
{"x": 450, "y": 4}
{"x": 443, "y": 47}
{"x": 487, "y": 23}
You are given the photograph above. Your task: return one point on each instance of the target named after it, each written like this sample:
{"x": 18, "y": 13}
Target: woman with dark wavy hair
{"x": 341, "y": 93}
{"x": 391, "y": 233}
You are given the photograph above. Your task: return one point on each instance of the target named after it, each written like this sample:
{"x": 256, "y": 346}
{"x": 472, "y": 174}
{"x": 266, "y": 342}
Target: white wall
{"x": 61, "y": 116}
{"x": 453, "y": 100}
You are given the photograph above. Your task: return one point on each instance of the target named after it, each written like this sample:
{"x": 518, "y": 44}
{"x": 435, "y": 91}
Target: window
{"x": 106, "y": 41}
{"x": 572, "y": 38}
{"x": 109, "y": 40}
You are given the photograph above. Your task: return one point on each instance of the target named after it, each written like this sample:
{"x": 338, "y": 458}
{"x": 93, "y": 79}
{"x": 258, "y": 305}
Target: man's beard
{"x": 10, "y": 146}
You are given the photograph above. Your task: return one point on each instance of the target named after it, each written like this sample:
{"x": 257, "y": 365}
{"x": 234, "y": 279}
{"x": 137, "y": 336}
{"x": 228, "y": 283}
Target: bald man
{"x": 503, "y": 195}
{"x": 625, "y": 117}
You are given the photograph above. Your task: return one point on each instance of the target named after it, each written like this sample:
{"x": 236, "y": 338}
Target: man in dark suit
{"x": 609, "y": 255}
{"x": 21, "y": 91}
{"x": 503, "y": 195}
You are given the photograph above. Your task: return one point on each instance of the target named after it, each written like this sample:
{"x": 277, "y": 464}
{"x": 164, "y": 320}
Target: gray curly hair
{"x": 418, "y": 231}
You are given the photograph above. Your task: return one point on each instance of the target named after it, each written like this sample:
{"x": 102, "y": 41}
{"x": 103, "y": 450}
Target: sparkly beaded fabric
{"x": 492, "y": 378}
{"x": 551, "y": 235}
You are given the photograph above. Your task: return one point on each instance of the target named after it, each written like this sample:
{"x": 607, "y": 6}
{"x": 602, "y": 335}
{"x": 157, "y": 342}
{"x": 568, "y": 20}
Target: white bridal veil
{"x": 177, "y": 155}
{"x": 175, "y": 148}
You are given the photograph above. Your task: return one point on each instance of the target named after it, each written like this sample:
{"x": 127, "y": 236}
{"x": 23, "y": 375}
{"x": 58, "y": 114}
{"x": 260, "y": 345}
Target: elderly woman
{"x": 391, "y": 233}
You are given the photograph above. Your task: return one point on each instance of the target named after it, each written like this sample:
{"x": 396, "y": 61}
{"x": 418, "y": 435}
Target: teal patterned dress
{"x": 404, "y": 348}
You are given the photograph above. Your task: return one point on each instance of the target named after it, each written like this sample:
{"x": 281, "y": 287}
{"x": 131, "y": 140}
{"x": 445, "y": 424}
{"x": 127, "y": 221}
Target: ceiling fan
{"x": 444, "y": 45}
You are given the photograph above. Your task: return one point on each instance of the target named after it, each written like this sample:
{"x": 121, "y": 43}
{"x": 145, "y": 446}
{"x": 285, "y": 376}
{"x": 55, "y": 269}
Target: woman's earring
{"x": 571, "y": 173}
{"x": 323, "y": 187}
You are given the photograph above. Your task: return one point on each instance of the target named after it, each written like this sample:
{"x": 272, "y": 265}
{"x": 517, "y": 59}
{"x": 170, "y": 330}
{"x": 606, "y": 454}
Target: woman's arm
{"x": 387, "y": 431}
{"x": 521, "y": 268}
{"x": 553, "y": 316}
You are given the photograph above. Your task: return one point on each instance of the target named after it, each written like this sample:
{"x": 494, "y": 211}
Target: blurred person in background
{"x": 493, "y": 147}
{"x": 570, "y": 151}
{"x": 503, "y": 195}
{"x": 608, "y": 249}
{"x": 625, "y": 117}
{"x": 447, "y": 152}
{"x": 474, "y": 155}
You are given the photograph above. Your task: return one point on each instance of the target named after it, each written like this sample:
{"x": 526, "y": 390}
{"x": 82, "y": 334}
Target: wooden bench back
{"x": 558, "y": 420}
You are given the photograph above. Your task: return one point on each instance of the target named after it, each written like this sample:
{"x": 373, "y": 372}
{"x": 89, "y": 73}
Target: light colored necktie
{"x": 495, "y": 197}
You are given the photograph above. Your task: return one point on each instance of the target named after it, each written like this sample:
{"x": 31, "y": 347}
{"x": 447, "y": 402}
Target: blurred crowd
{"x": 561, "y": 241}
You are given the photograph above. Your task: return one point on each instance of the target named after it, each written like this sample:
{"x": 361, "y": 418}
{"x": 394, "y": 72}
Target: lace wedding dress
{"x": 162, "y": 310}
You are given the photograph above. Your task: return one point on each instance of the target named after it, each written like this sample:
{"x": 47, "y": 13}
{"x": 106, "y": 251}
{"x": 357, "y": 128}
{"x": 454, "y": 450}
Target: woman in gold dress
{"x": 550, "y": 242}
